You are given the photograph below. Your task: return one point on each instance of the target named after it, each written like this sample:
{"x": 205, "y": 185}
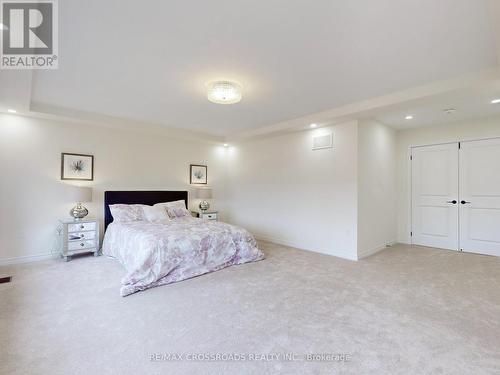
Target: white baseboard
{"x": 27, "y": 259}
{"x": 276, "y": 241}
{"x": 369, "y": 252}
{"x": 279, "y": 241}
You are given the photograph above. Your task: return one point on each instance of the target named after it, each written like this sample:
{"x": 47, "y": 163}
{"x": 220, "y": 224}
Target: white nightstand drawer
{"x": 209, "y": 216}
{"x": 81, "y": 227}
{"x": 77, "y": 236}
{"x": 78, "y": 245}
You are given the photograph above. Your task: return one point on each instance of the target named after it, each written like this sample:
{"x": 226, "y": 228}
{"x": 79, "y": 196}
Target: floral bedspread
{"x": 158, "y": 254}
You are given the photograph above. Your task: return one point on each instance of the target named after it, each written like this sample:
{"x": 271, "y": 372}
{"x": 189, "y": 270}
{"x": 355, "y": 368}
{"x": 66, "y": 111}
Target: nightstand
{"x": 78, "y": 236}
{"x": 206, "y": 215}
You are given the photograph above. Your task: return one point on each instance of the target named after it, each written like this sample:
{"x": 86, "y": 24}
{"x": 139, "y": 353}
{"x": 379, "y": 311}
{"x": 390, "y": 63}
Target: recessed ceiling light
{"x": 11, "y": 111}
{"x": 495, "y": 101}
{"x": 224, "y": 92}
{"x": 449, "y": 111}
{"x": 409, "y": 117}
{"x": 226, "y": 145}
{"x": 312, "y": 126}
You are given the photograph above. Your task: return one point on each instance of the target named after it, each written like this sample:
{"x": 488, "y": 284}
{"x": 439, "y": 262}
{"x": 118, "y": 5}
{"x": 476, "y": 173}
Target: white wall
{"x": 283, "y": 191}
{"x": 376, "y": 187}
{"x": 468, "y": 130}
{"x": 335, "y": 201}
{"x": 32, "y": 195}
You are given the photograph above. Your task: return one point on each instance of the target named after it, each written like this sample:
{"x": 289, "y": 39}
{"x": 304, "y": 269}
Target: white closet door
{"x": 480, "y": 196}
{"x": 435, "y": 195}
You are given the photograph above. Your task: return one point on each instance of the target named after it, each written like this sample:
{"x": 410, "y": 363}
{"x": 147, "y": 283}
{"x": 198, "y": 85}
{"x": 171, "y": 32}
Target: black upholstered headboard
{"x": 139, "y": 197}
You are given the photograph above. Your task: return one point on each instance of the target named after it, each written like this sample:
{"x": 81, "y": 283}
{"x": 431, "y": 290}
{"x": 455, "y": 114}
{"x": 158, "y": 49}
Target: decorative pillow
{"x": 125, "y": 213}
{"x": 155, "y": 214}
{"x": 175, "y": 209}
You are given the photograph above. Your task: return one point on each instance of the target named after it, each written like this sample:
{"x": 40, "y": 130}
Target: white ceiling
{"x": 469, "y": 103}
{"x": 148, "y": 61}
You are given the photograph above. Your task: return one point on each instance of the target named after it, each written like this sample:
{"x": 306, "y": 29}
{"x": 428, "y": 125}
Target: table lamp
{"x": 204, "y": 194}
{"x": 80, "y": 194}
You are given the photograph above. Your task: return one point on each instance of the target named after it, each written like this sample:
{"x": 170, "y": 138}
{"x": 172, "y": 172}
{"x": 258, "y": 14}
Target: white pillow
{"x": 125, "y": 213}
{"x": 155, "y": 214}
{"x": 174, "y": 209}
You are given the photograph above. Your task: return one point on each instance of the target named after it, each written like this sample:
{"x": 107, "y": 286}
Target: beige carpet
{"x": 403, "y": 311}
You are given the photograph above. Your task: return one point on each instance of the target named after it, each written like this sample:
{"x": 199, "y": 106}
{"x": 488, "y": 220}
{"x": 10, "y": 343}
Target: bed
{"x": 155, "y": 254}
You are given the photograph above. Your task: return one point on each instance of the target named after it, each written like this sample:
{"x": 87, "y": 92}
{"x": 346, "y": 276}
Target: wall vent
{"x": 5, "y": 279}
{"x": 322, "y": 141}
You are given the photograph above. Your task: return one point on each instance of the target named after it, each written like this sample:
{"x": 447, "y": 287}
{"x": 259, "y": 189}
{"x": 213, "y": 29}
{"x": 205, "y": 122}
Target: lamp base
{"x": 78, "y": 212}
{"x": 204, "y": 205}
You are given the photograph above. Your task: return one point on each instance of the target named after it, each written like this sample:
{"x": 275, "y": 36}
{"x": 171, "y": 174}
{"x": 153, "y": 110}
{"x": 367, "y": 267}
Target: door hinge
{"x": 411, "y": 157}
{"x": 459, "y": 145}
{"x": 411, "y": 234}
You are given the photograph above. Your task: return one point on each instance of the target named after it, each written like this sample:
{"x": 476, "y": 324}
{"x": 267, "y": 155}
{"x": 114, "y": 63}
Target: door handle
{"x": 453, "y": 201}
{"x": 465, "y": 202}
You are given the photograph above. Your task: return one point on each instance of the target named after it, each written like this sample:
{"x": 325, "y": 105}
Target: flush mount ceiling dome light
{"x": 224, "y": 92}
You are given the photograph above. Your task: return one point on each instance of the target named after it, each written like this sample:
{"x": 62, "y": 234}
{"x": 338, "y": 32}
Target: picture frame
{"x": 77, "y": 167}
{"x": 198, "y": 174}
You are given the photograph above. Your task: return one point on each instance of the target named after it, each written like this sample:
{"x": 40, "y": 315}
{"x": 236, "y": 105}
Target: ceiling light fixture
{"x": 224, "y": 92}
{"x": 449, "y": 111}
{"x": 11, "y": 111}
{"x": 226, "y": 145}
{"x": 312, "y": 126}
{"x": 495, "y": 101}
{"x": 409, "y": 117}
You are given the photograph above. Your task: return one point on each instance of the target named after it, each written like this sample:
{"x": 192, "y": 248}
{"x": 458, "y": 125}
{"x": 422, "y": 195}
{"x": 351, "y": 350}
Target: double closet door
{"x": 456, "y": 196}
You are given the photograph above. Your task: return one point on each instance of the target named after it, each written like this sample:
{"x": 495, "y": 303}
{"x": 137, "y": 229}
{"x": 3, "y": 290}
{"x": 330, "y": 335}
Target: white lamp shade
{"x": 203, "y": 193}
{"x": 80, "y": 194}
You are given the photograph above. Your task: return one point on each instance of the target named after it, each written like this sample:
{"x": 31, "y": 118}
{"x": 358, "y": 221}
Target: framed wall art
{"x": 198, "y": 174}
{"x": 77, "y": 167}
